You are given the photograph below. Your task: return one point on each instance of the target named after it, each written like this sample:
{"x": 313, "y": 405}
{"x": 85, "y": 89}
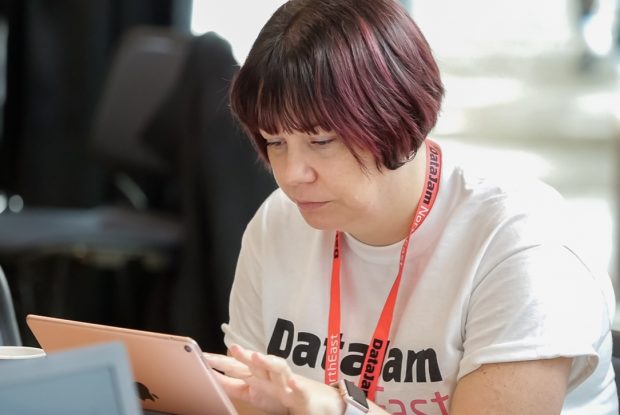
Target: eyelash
{"x": 319, "y": 143}
{"x": 323, "y": 142}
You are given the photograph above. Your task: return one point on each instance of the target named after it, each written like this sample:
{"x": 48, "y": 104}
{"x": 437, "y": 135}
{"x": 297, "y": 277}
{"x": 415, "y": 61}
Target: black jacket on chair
{"x": 221, "y": 185}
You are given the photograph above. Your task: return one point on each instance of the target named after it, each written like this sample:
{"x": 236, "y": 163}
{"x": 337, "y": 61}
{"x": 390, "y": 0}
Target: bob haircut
{"x": 360, "y": 68}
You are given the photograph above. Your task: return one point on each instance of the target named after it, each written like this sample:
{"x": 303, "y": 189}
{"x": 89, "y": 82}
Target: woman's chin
{"x": 320, "y": 222}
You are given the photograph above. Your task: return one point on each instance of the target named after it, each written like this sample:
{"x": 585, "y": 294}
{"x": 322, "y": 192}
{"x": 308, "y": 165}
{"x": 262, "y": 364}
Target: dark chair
{"x": 615, "y": 357}
{"x": 9, "y": 329}
{"x": 145, "y": 67}
{"x": 222, "y": 186}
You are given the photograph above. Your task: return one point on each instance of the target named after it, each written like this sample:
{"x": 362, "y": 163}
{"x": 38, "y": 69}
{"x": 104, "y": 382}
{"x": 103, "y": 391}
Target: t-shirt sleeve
{"x": 539, "y": 303}
{"x": 245, "y": 326}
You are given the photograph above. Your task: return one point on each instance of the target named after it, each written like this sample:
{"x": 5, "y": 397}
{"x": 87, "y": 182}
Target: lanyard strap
{"x": 373, "y": 361}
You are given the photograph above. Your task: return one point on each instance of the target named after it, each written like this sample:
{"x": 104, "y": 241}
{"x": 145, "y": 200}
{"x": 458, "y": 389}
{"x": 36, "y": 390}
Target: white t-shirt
{"x": 497, "y": 283}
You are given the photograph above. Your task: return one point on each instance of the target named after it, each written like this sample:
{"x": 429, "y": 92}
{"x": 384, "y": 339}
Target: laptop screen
{"x": 94, "y": 380}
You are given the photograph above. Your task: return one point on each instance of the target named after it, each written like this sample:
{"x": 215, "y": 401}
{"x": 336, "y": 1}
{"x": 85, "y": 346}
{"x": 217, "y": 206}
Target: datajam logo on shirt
{"x": 304, "y": 349}
{"x": 308, "y": 349}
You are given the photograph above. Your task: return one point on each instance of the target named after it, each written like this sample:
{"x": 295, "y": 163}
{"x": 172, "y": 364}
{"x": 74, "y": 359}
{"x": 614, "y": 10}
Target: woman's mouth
{"x": 308, "y": 206}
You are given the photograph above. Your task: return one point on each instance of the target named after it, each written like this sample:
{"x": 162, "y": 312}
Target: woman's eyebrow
{"x": 267, "y": 137}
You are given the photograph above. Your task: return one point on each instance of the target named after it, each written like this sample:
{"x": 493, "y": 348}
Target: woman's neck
{"x": 393, "y": 219}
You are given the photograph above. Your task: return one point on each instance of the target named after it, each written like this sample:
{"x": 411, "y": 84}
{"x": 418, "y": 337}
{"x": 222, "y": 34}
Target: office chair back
{"x": 146, "y": 66}
{"x": 9, "y": 330}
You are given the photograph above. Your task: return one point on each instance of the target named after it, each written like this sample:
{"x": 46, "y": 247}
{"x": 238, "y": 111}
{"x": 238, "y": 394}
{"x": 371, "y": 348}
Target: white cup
{"x": 20, "y": 352}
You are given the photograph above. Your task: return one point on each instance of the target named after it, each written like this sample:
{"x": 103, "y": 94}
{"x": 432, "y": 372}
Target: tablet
{"x": 170, "y": 372}
{"x": 84, "y": 381}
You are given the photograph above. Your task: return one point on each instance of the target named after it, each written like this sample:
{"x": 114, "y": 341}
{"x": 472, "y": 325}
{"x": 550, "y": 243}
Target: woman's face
{"x": 327, "y": 183}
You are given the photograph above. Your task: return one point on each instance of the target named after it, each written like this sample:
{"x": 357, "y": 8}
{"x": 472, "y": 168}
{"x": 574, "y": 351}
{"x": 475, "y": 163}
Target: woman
{"x": 379, "y": 260}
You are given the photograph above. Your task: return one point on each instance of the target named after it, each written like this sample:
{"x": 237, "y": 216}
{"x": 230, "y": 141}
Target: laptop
{"x": 171, "y": 374}
{"x": 93, "y": 380}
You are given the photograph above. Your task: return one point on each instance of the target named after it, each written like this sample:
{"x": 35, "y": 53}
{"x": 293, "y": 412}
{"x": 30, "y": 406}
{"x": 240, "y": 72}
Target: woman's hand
{"x": 268, "y": 383}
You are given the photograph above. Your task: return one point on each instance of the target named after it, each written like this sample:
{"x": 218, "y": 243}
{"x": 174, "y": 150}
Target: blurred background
{"x": 92, "y": 157}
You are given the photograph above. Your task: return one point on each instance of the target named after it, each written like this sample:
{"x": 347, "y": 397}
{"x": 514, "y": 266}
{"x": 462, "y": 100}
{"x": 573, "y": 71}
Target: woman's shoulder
{"x": 516, "y": 210}
{"x": 501, "y": 194}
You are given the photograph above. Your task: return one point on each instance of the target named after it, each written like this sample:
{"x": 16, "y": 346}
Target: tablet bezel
{"x": 172, "y": 367}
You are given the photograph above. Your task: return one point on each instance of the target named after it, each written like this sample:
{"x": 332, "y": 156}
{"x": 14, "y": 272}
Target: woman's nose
{"x": 298, "y": 169}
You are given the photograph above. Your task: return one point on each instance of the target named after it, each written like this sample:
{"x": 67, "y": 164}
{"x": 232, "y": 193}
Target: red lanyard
{"x": 373, "y": 362}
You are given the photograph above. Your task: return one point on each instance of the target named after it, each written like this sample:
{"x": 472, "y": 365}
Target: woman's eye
{"x": 323, "y": 142}
{"x": 273, "y": 143}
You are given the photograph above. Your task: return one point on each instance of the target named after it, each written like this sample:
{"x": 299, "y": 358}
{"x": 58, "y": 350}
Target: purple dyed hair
{"x": 361, "y": 68}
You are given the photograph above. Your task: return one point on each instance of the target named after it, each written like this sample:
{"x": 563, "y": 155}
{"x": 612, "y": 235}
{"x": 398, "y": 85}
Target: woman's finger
{"x": 251, "y": 390}
{"x": 278, "y": 370}
{"x": 230, "y": 366}
{"x": 241, "y": 354}
{"x": 247, "y": 358}
{"x": 272, "y": 374}
{"x": 234, "y": 388}
{"x": 259, "y": 371}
